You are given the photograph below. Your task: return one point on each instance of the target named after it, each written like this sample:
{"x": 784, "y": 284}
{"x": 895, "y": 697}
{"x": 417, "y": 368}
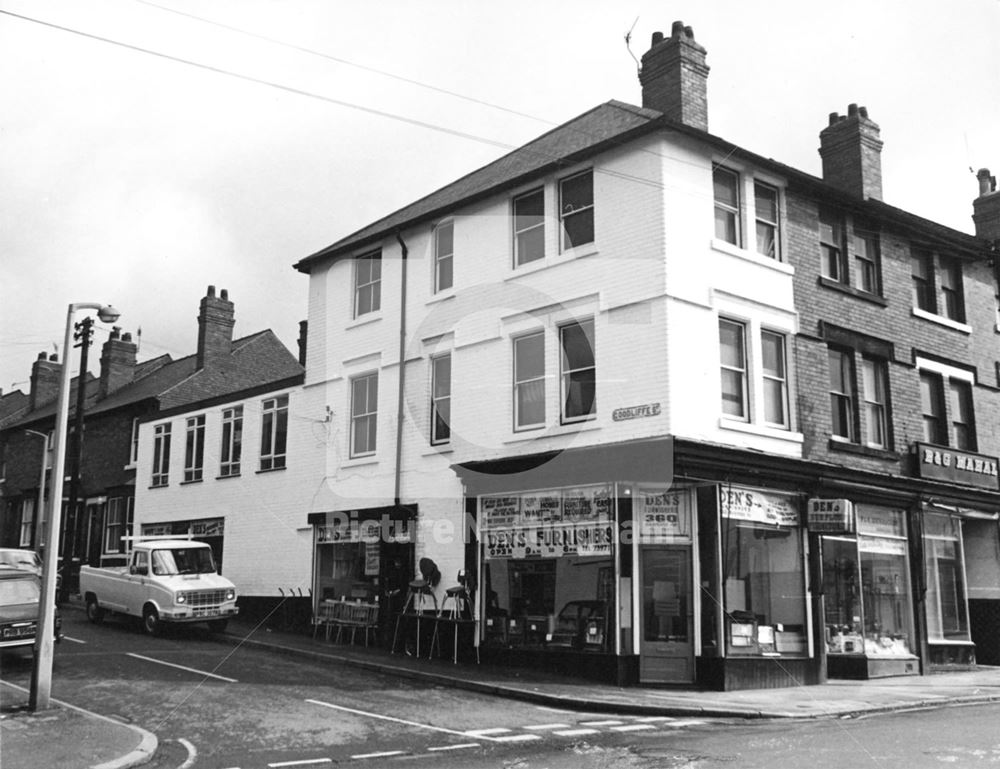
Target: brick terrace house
{"x": 686, "y": 414}
{"x": 125, "y": 393}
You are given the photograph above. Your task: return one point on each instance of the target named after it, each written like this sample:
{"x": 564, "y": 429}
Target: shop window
{"x": 548, "y": 569}
{"x": 274, "y": 433}
{"x": 161, "y": 455}
{"x": 364, "y": 414}
{"x": 866, "y": 588}
{"x": 367, "y": 284}
{"x": 944, "y": 571}
{"x": 763, "y": 575}
{"x": 578, "y": 371}
{"x": 194, "y": 448}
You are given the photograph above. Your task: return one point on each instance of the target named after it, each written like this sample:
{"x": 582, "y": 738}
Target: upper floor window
{"x": 576, "y": 209}
{"x": 831, "y": 245}
{"x": 273, "y": 433}
{"x": 27, "y": 522}
{"x": 231, "y": 450}
{"x": 842, "y": 394}
{"x": 726, "y": 185}
{"x": 364, "y": 414}
{"x": 874, "y": 379}
{"x": 441, "y": 399}
{"x": 114, "y": 526}
{"x": 932, "y": 407}
{"x": 529, "y": 380}
{"x": 444, "y": 255}
{"x": 529, "y": 227}
{"x": 952, "y": 299}
{"x": 773, "y": 368}
{"x": 134, "y": 453}
{"x": 194, "y": 448}
{"x": 922, "y": 270}
{"x": 367, "y": 283}
{"x": 161, "y": 455}
{"x": 865, "y": 253}
{"x": 766, "y": 207}
{"x": 579, "y": 371}
{"x": 733, "y": 358}
{"x": 963, "y": 427}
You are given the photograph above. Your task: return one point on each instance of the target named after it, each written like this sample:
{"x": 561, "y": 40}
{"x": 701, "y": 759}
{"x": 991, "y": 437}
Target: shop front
{"x": 364, "y": 557}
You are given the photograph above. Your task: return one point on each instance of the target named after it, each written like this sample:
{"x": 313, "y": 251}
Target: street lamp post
{"x": 40, "y": 507}
{"x": 41, "y": 672}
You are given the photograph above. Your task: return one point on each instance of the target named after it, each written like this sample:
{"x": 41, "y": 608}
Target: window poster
{"x": 662, "y": 515}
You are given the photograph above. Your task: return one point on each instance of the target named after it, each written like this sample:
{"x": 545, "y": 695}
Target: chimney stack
{"x": 303, "y": 338}
{"x": 986, "y": 208}
{"x": 46, "y": 373}
{"x": 852, "y": 153}
{"x": 117, "y": 362}
{"x": 215, "y": 327}
{"x": 674, "y": 77}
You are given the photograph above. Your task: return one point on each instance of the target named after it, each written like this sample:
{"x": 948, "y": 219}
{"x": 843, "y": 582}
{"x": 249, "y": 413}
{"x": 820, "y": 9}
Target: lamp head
{"x": 108, "y": 314}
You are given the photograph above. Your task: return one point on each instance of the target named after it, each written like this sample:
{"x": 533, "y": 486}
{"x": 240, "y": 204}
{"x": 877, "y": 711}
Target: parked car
{"x": 21, "y": 559}
{"x": 20, "y": 591}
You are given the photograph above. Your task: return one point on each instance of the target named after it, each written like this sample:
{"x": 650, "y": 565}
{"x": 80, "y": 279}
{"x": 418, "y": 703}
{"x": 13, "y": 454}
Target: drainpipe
{"x": 402, "y": 369}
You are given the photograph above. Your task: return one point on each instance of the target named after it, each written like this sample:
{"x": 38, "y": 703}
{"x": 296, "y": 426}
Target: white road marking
{"x": 518, "y": 738}
{"x": 181, "y": 667}
{"x": 73, "y": 640}
{"x": 486, "y": 732}
{"x": 463, "y": 746}
{"x": 688, "y": 722}
{"x": 391, "y": 718}
{"x": 645, "y": 719}
{"x": 600, "y": 723}
{"x": 632, "y": 727}
{"x": 192, "y": 754}
{"x": 302, "y": 763}
{"x": 576, "y": 732}
{"x": 383, "y": 754}
{"x": 542, "y": 727}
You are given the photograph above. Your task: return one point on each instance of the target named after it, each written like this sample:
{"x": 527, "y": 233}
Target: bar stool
{"x": 418, "y": 589}
{"x": 456, "y": 608}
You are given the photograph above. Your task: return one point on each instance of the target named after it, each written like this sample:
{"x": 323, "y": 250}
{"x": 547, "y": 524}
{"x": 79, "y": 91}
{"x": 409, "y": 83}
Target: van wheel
{"x": 151, "y": 621}
{"x": 94, "y": 612}
{"x": 218, "y": 625}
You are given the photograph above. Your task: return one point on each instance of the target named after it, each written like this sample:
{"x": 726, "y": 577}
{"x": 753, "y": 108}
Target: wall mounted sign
{"x": 578, "y": 504}
{"x": 832, "y": 516}
{"x": 737, "y": 503}
{"x": 636, "y": 412}
{"x": 956, "y": 466}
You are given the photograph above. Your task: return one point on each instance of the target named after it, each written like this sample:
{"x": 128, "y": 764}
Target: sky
{"x": 151, "y": 148}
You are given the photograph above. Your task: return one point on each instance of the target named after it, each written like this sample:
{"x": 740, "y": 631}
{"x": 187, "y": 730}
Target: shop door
{"x": 666, "y": 623}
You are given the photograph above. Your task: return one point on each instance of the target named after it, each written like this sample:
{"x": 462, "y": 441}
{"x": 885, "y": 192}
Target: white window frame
{"x": 274, "y": 425}
{"x": 231, "y": 450}
{"x": 444, "y": 257}
{"x": 27, "y": 521}
{"x": 134, "y": 456}
{"x": 744, "y": 371}
{"x": 371, "y": 283}
{"x": 726, "y": 208}
{"x": 440, "y": 401}
{"x": 194, "y": 448}
{"x": 567, "y": 374}
{"x": 364, "y": 414}
{"x": 761, "y": 220}
{"x": 876, "y": 404}
{"x": 582, "y": 211}
{"x": 518, "y": 231}
{"x": 114, "y": 523}
{"x": 161, "y": 454}
{"x": 524, "y": 382}
{"x": 780, "y": 378}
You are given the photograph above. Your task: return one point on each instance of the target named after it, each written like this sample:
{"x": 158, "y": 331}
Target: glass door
{"x": 666, "y": 648}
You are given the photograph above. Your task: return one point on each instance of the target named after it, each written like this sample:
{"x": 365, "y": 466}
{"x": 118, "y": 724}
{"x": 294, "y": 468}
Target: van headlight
{"x": 230, "y": 595}
{"x": 180, "y": 598}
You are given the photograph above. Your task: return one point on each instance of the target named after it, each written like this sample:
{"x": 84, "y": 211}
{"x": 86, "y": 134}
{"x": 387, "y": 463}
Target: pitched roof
{"x": 613, "y": 123}
{"x": 12, "y": 406}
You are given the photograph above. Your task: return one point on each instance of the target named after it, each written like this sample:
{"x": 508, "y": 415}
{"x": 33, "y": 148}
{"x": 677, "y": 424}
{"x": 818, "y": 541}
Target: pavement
{"x": 70, "y": 738}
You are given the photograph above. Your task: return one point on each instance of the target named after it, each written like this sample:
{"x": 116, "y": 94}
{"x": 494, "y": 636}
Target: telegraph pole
{"x": 84, "y": 333}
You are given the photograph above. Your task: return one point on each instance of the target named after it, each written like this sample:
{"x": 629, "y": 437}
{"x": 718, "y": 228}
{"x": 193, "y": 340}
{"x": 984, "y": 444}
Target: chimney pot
{"x": 834, "y": 118}
{"x": 986, "y": 207}
{"x": 42, "y": 356}
{"x": 54, "y": 357}
{"x": 211, "y": 290}
{"x": 852, "y": 110}
{"x": 224, "y": 294}
{"x": 863, "y": 111}
{"x": 674, "y": 77}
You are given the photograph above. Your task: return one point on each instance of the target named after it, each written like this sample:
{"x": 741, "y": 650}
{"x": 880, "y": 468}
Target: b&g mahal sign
{"x": 956, "y": 466}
